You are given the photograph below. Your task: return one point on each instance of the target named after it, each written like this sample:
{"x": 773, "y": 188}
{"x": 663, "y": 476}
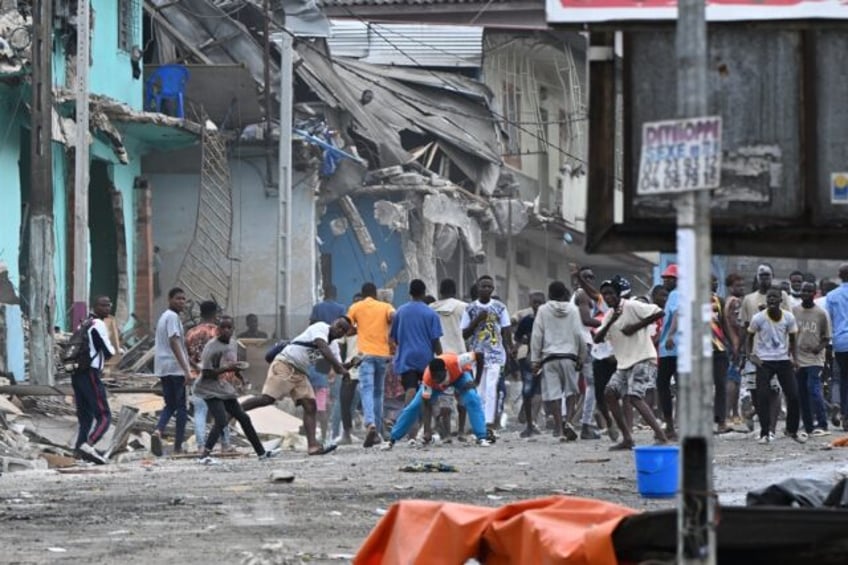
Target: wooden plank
{"x": 173, "y": 32}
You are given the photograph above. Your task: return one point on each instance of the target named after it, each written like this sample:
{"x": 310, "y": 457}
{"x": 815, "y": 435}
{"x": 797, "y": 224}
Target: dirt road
{"x": 157, "y": 511}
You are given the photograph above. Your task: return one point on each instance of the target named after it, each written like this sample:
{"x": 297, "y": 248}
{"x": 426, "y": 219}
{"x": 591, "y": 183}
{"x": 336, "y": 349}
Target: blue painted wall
{"x": 351, "y": 267}
{"x": 111, "y": 74}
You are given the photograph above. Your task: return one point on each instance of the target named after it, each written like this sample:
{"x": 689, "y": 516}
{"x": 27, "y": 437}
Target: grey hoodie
{"x": 557, "y": 330}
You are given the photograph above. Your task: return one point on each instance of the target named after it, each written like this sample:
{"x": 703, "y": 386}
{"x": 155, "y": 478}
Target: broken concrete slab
{"x": 145, "y": 403}
{"x": 9, "y": 407}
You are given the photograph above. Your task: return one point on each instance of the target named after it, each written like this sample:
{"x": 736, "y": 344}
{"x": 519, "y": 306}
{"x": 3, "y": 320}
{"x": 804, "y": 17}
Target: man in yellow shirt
{"x": 372, "y": 319}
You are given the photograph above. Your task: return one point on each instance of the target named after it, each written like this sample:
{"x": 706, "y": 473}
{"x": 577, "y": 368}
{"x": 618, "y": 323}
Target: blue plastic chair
{"x": 167, "y": 82}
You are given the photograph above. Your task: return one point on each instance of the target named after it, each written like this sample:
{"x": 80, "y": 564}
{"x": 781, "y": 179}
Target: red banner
{"x": 589, "y": 11}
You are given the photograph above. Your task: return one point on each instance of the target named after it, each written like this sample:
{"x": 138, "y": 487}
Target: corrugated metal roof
{"x": 329, "y": 3}
{"x": 407, "y": 45}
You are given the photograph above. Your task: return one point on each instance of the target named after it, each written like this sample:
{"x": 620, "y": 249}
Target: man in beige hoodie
{"x": 557, "y": 346}
{"x": 450, "y": 310}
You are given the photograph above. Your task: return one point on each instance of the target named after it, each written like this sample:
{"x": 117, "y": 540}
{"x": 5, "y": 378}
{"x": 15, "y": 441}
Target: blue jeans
{"x": 372, "y": 383}
{"x": 467, "y": 394}
{"x": 840, "y": 372}
{"x": 811, "y": 398}
{"x": 201, "y": 409}
{"x": 174, "y": 391}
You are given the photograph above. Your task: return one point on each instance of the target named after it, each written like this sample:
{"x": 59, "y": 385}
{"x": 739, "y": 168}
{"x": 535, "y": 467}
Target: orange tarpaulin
{"x": 558, "y": 529}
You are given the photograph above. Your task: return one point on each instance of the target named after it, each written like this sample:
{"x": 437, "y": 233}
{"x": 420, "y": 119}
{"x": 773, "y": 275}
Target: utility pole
{"x": 696, "y": 543}
{"x": 266, "y": 75}
{"x": 284, "y": 248}
{"x": 40, "y": 268}
{"x": 81, "y": 167}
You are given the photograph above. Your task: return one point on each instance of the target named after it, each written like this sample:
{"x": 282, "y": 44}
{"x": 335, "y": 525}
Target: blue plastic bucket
{"x": 656, "y": 470}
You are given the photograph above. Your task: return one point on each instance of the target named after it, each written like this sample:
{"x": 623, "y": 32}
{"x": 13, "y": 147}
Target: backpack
{"x": 76, "y": 357}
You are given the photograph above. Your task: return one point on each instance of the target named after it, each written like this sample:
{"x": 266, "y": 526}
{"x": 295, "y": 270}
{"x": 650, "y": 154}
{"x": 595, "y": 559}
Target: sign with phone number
{"x": 680, "y": 156}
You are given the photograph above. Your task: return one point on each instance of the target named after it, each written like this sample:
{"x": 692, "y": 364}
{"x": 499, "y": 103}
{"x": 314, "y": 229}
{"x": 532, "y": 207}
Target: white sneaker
{"x": 763, "y": 440}
{"x": 93, "y": 455}
{"x": 208, "y": 461}
{"x": 771, "y": 437}
{"x": 387, "y": 446}
{"x": 483, "y": 443}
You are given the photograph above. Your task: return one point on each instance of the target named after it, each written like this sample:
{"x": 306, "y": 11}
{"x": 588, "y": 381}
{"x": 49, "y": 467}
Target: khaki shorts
{"x": 285, "y": 380}
{"x": 559, "y": 379}
{"x": 635, "y": 381}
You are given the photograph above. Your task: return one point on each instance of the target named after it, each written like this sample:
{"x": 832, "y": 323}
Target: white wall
{"x": 254, "y": 239}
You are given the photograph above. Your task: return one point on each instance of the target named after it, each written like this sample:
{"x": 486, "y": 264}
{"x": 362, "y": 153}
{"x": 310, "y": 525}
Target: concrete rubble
{"x": 38, "y": 424}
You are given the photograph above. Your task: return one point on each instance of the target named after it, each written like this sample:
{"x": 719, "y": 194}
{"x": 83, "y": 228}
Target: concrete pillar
{"x": 304, "y": 257}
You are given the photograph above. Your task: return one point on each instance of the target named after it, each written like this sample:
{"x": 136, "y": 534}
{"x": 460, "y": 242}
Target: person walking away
{"x": 626, "y": 326}
{"x": 588, "y": 301}
{"x": 735, "y": 284}
{"x": 557, "y": 347}
{"x": 171, "y": 365}
{"x": 196, "y": 339}
{"x": 449, "y": 309}
{"x": 372, "y": 319}
{"x": 447, "y": 371}
{"x": 288, "y": 375}
{"x": 328, "y": 310}
{"x": 219, "y": 357}
{"x": 90, "y": 399}
{"x": 667, "y": 368}
{"x": 837, "y": 309}
{"x": 531, "y": 383}
{"x": 415, "y": 333}
{"x": 486, "y": 325}
{"x": 771, "y": 339}
{"x": 813, "y": 339}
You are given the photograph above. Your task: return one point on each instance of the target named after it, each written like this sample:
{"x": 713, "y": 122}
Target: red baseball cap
{"x": 670, "y": 271}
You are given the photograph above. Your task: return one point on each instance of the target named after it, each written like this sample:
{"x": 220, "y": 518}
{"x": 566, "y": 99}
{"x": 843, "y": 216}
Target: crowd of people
{"x": 592, "y": 359}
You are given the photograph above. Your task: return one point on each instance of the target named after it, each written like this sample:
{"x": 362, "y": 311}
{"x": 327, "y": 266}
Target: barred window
{"x": 129, "y": 24}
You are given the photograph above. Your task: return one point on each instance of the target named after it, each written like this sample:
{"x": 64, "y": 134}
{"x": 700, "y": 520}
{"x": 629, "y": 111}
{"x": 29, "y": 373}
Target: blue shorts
{"x": 734, "y": 375}
{"x": 530, "y": 384}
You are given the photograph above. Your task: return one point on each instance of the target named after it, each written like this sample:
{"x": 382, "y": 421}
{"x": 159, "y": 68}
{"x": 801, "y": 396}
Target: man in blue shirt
{"x": 667, "y": 367}
{"x": 415, "y": 333}
{"x": 837, "y": 308}
{"x": 328, "y": 310}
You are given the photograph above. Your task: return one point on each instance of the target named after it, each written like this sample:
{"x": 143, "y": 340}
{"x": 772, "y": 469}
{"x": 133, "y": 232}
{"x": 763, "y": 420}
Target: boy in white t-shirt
{"x": 771, "y": 339}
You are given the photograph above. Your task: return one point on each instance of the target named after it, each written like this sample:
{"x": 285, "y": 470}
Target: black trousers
{"x": 219, "y": 409}
{"x": 666, "y": 369}
{"x": 720, "y": 364}
{"x": 786, "y": 378}
{"x": 346, "y": 395}
{"x": 603, "y": 370}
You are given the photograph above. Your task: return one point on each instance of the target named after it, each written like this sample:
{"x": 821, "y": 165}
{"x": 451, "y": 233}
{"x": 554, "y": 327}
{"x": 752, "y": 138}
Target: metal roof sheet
{"x": 408, "y": 45}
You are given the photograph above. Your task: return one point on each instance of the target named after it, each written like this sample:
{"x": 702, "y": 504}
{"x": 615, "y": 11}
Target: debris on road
{"x": 429, "y": 468}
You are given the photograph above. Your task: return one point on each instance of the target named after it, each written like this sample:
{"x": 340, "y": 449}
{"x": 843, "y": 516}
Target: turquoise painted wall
{"x": 111, "y": 73}
{"x": 10, "y": 187}
{"x": 60, "y": 221}
{"x": 12, "y": 109}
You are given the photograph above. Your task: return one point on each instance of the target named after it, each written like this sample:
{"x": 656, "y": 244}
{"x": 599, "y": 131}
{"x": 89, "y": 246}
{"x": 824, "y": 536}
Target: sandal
{"x": 623, "y": 446}
{"x": 324, "y": 449}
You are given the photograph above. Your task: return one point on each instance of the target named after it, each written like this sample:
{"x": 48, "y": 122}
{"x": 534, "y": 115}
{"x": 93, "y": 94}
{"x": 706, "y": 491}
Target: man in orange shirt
{"x": 372, "y": 319}
{"x": 446, "y": 370}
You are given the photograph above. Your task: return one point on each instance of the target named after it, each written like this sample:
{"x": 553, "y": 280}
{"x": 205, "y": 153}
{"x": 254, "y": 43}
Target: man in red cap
{"x": 667, "y": 367}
